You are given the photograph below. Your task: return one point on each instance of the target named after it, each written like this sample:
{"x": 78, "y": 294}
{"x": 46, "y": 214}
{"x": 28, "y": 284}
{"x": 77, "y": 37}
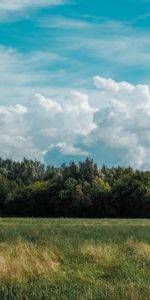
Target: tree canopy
{"x": 30, "y": 189}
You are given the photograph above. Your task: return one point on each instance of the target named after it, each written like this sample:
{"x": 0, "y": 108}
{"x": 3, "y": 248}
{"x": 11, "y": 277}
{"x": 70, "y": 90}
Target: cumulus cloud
{"x": 58, "y": 122}
{"x": 14, "y": 138}
{"x": 117, "y": 131}
{"x": 47, "y": 105}
{"x": 35, "y": 130}
{"x": 123, "y": 124}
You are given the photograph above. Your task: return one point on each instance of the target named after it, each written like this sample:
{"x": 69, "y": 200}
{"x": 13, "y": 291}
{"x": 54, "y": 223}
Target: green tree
{"x": 130, "y": 198}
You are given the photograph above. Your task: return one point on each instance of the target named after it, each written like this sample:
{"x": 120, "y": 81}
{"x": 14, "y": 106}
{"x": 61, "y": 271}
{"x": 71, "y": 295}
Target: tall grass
{"x": 74, "y": 259}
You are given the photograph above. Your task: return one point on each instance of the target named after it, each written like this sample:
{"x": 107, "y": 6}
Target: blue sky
{"x": 63, "y": 61}
{"x": 85, "y": 34}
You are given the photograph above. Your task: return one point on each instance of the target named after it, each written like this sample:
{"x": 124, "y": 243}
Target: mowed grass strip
{"x": 76, "y": 259}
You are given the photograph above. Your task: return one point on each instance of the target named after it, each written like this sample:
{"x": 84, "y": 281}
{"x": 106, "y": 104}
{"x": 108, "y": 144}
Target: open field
{"x": 74, "y": 259}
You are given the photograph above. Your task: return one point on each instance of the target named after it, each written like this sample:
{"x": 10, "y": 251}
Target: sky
{"x": 75, "y": 81}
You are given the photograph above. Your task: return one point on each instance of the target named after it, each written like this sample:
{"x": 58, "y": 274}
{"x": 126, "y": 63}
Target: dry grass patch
{"x": 132, "y": 248}
{"x": 104, "y": 253}
{"x": 142, "y": 249}
{"x": 23, "y": 260}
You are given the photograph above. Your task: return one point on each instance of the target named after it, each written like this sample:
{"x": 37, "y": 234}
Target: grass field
{"x": 74, "y": 259}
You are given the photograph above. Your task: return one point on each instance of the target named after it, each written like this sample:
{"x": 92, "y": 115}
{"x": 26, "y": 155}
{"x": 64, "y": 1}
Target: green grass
{"x": 74, "y": 259}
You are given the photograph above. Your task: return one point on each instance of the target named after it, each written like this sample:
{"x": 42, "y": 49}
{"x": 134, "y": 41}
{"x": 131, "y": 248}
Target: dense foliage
{"x": 28, "y": 188}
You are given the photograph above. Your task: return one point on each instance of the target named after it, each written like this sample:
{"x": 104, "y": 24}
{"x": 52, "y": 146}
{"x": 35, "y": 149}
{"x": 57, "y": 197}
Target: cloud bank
{"x": 116, "y": 131}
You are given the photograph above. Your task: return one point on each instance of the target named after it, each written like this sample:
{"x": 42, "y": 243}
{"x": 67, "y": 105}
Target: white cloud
{"x": 44, "y": 124}
{"x": 123, "y": 125}
{"x": 109, "y": 42}
{"x": 22, "y": 75}
{"x": 47, "y": 105}
{"x": 109, "y": 84}
{"x": 137, "y": 157}
{"x": 117, "y": 132}
{"x": 68, "y": 149}
{"x": 18, "y": 5}
{"x": 62, "y": 22}
{"x": 58, "y": 122}
{"x": 14, "y": 138}
{"x": 11, "y": 10}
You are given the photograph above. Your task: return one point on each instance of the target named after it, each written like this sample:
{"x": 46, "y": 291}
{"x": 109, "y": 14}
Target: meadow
{"x": 74, "y": 259}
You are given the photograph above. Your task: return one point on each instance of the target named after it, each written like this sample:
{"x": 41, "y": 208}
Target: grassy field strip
{"x": 56, "y": 259}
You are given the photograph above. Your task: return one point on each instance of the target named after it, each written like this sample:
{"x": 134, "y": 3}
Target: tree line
{"x": 29, "y": 189}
